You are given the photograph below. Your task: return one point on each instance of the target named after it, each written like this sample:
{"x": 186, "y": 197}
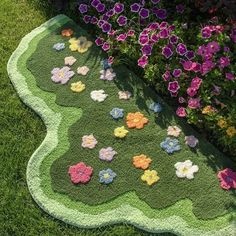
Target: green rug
{"x": 114, "y": 151}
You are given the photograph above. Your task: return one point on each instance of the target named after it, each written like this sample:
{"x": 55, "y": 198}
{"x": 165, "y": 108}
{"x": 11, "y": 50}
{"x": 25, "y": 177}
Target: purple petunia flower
{"x": 119, "y": 7}
{"x": 143, "y": 61}
{"x": 105, "y": 17}
{"x": 146, "y": 50}
{"x": 131, "y": 33}
{"x": 122, "y": 20}
{"x": 135, "y": 7}
{"x": 166, "y": 76}
{"x": 100, "y": 7}
{"x": 177, "y": 73}
{"x": 106, "y": 46}
{"x": 173, "y": 87}
{"x": 83, "y": 8}
{"x": 143, "y": 39}
{"x": 100, "y": 23}
{"x": 86, "y": 19}
{"x": 99, "y": 41}
{"x": 94, "y": 3}
{"x": 213, "y": 47}
{"x": 110, "y": 13}
{"x": 206, "y": 32}
{"x": 181, "y": 49}
{"x": 190, "y": 55}
{"x": 144, "y": 13}
{"x": 121, "y": 37}
{"x": 94, "y": 20}
{"x": 174, "y": 39}
{"x": 167, "y": 52}
{"x": 154, "y": 38}
{"x": 229, "y": 76}
{"x": 153, "y": 26}
{"x": 164, "y": 34}
{"x": 180, "y": 8}
{"x": 106, "y": 27}
{"x": 163, "y": 25}
{"x": 171, "y": 28}
{"x": 160, "y": 13}
{"x": 224, "y": 62}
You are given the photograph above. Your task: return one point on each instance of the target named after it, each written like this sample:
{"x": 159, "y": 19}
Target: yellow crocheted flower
{"x": 120, "y": 132}
{"x": 77, "y": 87}
{"x": 150, "y": 176}
{"x": 81, "y": 44}
{"x": 222, "y": 123}
{"x": 231, "y": 131}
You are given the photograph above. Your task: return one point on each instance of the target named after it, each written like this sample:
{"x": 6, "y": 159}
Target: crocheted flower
{"x": 191, "y": 141}
{"x": 77, "y": 87}
{"x": 231, "y": 131}
{"x": 107, "y": 74}
{"x": 81, "y": 44}
{"x": 80, "y": 173}
{"x": 82, "y": 70}
{"x": 89, "y": 141}
{"x": 150, "y": 176}
{"x": 173, "y": 131}
{"x": 69, "y": 61}
{"x": 227, "y": 179}
{"x": 106, "y": 176}
{"x": 61, "y": 75}
{"x": 170, "y": 145}
{"x": 67, "y": 32}
{"x": 107, "y": 154}
{"x": 59, "y": 46}
{"x": 120, "y": 132}
{"x": 124, "y": 95}
{"x": 141, "y": 161}
{"x": 117, "y": 113}
{"x": 155, "y": 107}
{"x": 98, "y": 95}
{"x": 136, "y": 120}
{"x": 186, "y": 169}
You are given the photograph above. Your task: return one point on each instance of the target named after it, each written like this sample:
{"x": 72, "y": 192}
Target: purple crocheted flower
{"x": 146, "y": 50}
{"x": 177, "y": 73}
{"x": 181, "y": 49}
{"x": 144, "y": 13}
{"x": 119, "y": 7}
{"x": 83, "y": 8}
{"x": 122, "y": 20}
{"x": 167, "y": 52}
{"x": 135, "y": 7}
{"x": 107, "y": 154}
{"x": 62, "y": 75}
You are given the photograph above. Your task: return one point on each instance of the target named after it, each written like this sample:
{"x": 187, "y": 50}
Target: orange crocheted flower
{"x": 136, "y": 120}
{"x": 141, "y": 161}
{"x": 67, "y": 32}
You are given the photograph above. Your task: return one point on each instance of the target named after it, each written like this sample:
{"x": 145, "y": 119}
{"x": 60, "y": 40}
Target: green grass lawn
{"x": 22, "y": 131}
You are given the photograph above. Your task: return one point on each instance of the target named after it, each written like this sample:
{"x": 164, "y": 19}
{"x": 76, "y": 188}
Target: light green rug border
{"x": 52, "y": 121}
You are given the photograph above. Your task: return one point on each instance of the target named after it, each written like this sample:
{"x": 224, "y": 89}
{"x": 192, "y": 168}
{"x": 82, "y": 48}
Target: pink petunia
{"x": 181, "y": 112}
{"x": 194, "y": 103}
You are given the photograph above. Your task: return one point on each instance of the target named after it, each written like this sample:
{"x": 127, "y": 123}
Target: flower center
{"x": 106, "y": 176}
{"x": 185, "y": 170}
{"x": 136, "y": 120}
{"x": 61, "y": 74}
{"x": 228, "y": 179}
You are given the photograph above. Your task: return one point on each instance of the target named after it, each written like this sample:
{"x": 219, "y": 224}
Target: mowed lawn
{"x": 21, "y": 133}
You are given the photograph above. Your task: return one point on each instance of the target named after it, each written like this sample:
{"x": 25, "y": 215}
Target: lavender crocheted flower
{"x": 61, "y": 75}
{"x": 107, "y": 154}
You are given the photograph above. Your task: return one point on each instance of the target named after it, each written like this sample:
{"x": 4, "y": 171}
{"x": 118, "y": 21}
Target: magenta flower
{"x": 121, "y": 37}
{"x": 166, "y": 76}
{"x": 224, "y": 62}
{"x": 174, "y": 39}
{"x": 190, "y": 55}
{"x": 153, "y": 26}
{"x": 163, "y": 25}
{"x": 122, "y": 20}
{"x": 110, "y": 13}
{"x": 119, "y": 7}
{"x": 106, "y": 46}
{"x": 181, "y": 49}
{"x": 135, "y": 7}
{"x": 100, "y": 7}
{"x": 99, "y": 41}
{"x": 194, "y": 103}
{"x": 87, "y": 19}
{"x": 94, "y": 20}
{"x": 146, "y": 50}
{"x": 164, "y": 34}
{"x": 229, "y": 76}
{"x": 143, "y": 61}
{"x": 181, "y": 100}
{"x": 80, "y": 173}
{"x": 206, "y": 32}
{"x": 181, "y": 112}
{"x": 173, "y": 86}
{"x": 154, "y": 38}
{"x": 83, "y": 8}
{"x": 160, "y": 13}
{"x": 227, "y": 179}
{"x": 167, "y": 52}
{"x": 196, "y": 82}
{"x": 191, "y": 91}
{"x": 188, "y": 65}
{"x": 213, "y": 47}
{"x": 144, "y": 13}
{"x": 131, "y": 33}
{"x": 143, "y": 39}
{"x": 112, "y": 32}
{"x": 94, "y": 3}
{"x": 177, "y": 73}
{"x": 106, "y": 27}
{"x": 206, "y": 67}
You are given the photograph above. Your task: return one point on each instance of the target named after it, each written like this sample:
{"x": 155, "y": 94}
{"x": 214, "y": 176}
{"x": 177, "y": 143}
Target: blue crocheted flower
{"x": 155, "y": 107}
{"x": 170, "y": 145}
{"x": 59, "y": 46}
{"x": 106, "y": 176}
{"x": 117, "y": 113}
{"x": 105, "y": 64}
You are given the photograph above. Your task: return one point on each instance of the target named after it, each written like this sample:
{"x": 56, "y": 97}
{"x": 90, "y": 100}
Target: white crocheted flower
{"x": 98, "y": 95}
{"x": 186, "y": 169}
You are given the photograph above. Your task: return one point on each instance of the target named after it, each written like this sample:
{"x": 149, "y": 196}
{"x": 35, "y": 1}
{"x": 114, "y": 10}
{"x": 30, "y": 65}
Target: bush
{"x": 186, "y": 55}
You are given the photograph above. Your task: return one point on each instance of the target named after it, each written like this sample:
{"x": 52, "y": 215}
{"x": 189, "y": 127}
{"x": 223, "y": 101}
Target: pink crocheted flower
{"x": 80, "y": 173}
{"x": 227, "y": 178}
